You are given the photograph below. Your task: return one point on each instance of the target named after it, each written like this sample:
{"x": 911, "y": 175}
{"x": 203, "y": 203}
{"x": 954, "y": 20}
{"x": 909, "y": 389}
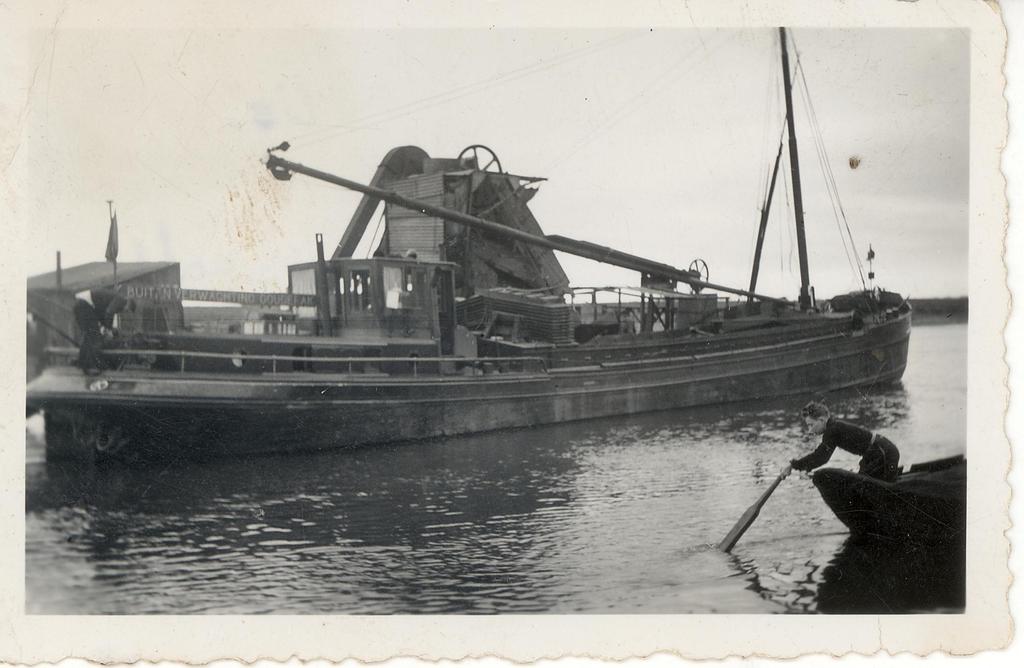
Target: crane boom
{"x": 283, "y": 169}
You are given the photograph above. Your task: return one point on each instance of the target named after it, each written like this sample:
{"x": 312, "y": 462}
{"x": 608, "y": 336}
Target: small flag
{"x": 871, "y": 253}
{"x": 112, "y": 239}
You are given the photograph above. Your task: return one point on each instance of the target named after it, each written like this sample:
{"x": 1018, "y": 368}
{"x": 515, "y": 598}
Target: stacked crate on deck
{"x": 533, "y": 317}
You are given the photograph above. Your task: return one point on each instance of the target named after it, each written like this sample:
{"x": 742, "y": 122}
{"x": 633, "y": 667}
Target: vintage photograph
{"x": 498, "y": 320}
{"x": 426, "y": 401}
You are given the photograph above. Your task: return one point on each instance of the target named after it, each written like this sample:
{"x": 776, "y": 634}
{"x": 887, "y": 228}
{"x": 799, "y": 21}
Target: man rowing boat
{"x": 879, "y": 457}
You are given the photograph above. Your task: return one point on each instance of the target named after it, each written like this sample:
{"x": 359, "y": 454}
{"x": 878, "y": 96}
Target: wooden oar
{"x": 748, "y": 517}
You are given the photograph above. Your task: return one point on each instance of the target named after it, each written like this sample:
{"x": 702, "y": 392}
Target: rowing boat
{"x": 927, "y": 503}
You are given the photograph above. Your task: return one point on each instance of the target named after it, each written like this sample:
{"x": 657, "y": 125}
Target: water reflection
{"x": 845, "y": 576}
{"x": 498, "y": 522}
{"x": 368, "y": 509}
{"x": 881, "y": 577}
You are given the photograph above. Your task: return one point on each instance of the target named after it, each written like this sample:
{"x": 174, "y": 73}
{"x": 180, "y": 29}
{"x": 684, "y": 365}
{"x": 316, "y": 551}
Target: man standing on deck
{"x": 879, "y": 457}
{"x": 94, "y": 312}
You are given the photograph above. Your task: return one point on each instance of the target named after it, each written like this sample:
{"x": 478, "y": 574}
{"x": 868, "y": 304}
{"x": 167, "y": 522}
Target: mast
{"x": 794, "y": 163}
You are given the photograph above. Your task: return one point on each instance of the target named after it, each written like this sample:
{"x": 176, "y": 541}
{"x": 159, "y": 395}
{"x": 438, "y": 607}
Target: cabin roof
{"x": 95, "y": 275}
{"x": 410, "y": 261}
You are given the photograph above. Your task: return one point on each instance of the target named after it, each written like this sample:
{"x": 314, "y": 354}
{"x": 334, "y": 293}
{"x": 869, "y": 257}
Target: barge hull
{"x": 151, "y": 415}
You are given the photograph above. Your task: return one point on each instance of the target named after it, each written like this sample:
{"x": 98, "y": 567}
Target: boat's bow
{"x": 925, "y": 505}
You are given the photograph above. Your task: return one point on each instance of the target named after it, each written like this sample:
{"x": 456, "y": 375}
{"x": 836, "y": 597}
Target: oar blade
{"x": 750, "y": 515}
{"x": 738, "y": 529}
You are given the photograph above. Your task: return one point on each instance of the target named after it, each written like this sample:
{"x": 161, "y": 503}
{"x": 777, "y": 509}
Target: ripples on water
{"x": 605, "y": 516}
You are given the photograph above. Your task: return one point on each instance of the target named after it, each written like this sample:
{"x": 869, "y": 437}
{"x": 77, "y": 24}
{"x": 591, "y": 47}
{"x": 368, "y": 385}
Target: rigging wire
{"x": 778, "y": 109}
{"x": 784, "y": 169}
{"x": 766, "y": 126}
{"x": 764, "y": 201}
{"x": 822, "y": 163}
{"x": 826, "y": 168}
{"x": 764, "y": 176}
{"x": 332, "y": 130}
{"x": 373, "y": 239}
{"x": 785, "y": 190}
{"x": 635, "y": 102}
{"x": 789, "y": 228}
{"x": 631, "y": 104}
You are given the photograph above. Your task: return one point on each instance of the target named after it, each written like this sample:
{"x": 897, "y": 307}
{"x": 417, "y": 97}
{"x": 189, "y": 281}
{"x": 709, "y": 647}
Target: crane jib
{"x": 282, "y": 170}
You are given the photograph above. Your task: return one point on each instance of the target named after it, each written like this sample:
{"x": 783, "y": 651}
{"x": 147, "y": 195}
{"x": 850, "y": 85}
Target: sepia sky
{"x": 655, "y": 141}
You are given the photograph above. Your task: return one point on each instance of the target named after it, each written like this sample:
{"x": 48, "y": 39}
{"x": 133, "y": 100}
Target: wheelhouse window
{"x": 402, "y": 286}
{"x": 413, "y": 280}
{"x": 359, "y": 296}
{"x": 303, "y": 282}
{"x": 394, "y": 286}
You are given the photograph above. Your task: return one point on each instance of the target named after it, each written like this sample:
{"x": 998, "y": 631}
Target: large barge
{"x": 463, "y": 321}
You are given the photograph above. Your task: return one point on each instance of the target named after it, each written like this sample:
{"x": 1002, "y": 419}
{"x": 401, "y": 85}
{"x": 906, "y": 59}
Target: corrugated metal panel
{"x": 421, "y": 233}
{"x": 410, "y": 229}
{"x": 401, "y": 213}
{"x": 428, "y": 188}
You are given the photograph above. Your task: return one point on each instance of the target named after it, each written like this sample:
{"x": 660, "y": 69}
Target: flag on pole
{"x": 112, "y": 239}
{"x": 871, "y": 253}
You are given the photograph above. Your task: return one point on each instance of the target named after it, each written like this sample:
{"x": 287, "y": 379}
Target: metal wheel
{"x": 700, "y": 268}
{"x": 475, "y": 150}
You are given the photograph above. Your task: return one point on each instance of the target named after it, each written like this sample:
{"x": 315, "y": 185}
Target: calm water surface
{"x": 606, "y": 516}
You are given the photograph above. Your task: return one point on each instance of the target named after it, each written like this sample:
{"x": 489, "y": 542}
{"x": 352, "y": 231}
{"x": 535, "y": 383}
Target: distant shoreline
{"x": 940, "y": 310}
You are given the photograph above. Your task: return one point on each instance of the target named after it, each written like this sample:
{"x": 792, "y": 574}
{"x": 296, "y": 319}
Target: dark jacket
{"x": 879, "y": 457}
{"x": 838, "y": 434}
{"x": 107, "y": 304}
{"x": 90, "y": 317}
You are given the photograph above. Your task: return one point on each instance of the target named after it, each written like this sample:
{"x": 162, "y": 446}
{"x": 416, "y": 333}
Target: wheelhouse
{"x": 381, "y": 297}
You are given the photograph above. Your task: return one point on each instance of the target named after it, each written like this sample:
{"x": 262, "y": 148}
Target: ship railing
{"x": 415, "y": 365}
{"x": 633, "y": 305}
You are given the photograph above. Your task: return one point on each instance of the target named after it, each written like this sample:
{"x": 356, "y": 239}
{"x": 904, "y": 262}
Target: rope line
{"x": 331, "y": 131}
{"x": 373, "y": 239}
{"x": 831, "y": 186}
{"x": 633, "y": 103}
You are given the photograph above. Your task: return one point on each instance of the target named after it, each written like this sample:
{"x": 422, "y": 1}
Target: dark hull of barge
{"x": 142, "y": 415}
